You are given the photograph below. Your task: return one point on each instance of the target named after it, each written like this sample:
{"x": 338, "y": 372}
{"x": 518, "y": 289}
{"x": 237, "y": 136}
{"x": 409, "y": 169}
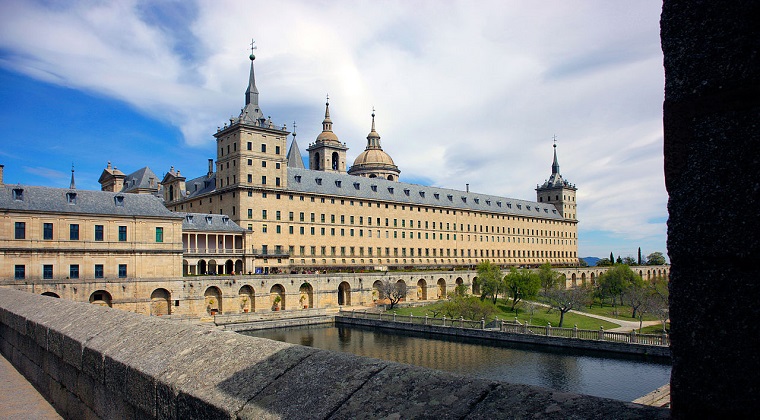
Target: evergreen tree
{"x": 612, "y": 258}
{"x": 639, "y": 255}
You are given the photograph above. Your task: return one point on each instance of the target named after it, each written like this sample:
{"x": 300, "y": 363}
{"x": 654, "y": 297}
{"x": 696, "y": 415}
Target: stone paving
{"x": 19, "y": 399}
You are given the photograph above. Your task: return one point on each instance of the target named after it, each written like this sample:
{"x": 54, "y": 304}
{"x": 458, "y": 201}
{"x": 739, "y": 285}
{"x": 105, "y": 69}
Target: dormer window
{"x": 488, "y": 202}
{"x": 225, "y": 220}
{"x": 498, "y": 203}
{"x": 356, "y": 185}
{"x": 337, "y": 183}
{"x": 18, "y": 194}
{"x": 119, "y": 200}
{"x": 450, "y": 197}
{"x": 189, "y": 218}
{"x": 546, "y": 210}
{"x": 526, "y": 206}
{"x": 477, "y": 200}
{"x": 509, "y": 205}
{"x": 406, "y": 191}
{"x": 554, "y": 211}
{"x": 298, "y": 178}
{"x": 209, "y": 219}
{"x": 373, "y": 187}
{"x": 422, "y": 194}
{"x": 318, "y": 181}
{"x": 437, "y": 196}
{"x": 390, "y": 190}
{"x": 71, "y": 197}
{"x": 519, "y": 206}
{"x": 464, "y": 199}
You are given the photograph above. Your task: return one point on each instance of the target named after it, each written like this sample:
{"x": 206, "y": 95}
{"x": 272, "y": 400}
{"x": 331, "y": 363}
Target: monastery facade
{"x": 330, "y": 217}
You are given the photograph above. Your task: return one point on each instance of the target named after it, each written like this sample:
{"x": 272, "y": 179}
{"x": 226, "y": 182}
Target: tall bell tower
{"x": 327, "y": 153}
{"x": 558, "y": 191}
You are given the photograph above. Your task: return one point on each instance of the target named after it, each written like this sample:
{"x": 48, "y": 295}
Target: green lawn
{"x": 622, "y": 313}
{"x": 540, "y": 316}
{"x": 655, "y": 329}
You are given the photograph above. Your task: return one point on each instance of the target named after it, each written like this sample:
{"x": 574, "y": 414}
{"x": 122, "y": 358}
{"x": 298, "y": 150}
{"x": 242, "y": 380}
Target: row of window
{"x": 435, "y": 225}
{"x": 47, "y": 271}
{"x": 249, "y": 146}
{"x": 428, "y": 252}
{"x": 47, "y": 232}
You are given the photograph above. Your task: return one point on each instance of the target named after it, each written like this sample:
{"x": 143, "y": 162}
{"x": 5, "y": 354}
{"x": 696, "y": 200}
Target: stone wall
{"x": 96, "y": 362}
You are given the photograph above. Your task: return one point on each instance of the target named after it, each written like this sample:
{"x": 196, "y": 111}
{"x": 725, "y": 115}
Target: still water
{"x": 600, "y": 374}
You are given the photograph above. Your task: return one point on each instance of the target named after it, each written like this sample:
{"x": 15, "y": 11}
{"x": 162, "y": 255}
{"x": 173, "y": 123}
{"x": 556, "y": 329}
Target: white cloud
{"x": 465, "y": 92}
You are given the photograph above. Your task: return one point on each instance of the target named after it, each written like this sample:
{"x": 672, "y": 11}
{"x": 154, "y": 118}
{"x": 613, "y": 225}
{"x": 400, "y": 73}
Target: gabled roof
{"x": 140, "y": 180}
{"x": 61, "y": 200}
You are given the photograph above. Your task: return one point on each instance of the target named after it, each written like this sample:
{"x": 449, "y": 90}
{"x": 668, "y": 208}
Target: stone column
{"x": 712, "y": 159}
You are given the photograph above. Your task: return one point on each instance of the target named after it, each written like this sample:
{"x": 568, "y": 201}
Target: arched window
{"x": 335, "y": 161}
{"x": 171, "y": 192}
{"x": 316, "y": 161}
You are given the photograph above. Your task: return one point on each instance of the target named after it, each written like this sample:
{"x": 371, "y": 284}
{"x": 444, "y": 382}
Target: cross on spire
{"x": 253, "y": 45}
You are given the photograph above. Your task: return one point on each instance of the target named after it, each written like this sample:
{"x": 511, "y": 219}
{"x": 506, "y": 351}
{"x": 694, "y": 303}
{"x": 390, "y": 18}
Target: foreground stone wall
{"x": 96, "y": 362}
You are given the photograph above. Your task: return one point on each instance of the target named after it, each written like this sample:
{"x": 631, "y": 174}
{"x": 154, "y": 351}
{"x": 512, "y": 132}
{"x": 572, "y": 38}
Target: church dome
{"x": 373, "y": 157}
{"x": 373, "y": 162}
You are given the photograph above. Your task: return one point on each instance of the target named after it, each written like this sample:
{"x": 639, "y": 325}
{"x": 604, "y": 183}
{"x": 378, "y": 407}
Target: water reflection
{"x": 624, "y": 378}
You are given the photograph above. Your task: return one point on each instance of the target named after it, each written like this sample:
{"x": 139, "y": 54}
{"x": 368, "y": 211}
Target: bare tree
{"x": 565, "y": 300}
{"x": 393, "y": 291}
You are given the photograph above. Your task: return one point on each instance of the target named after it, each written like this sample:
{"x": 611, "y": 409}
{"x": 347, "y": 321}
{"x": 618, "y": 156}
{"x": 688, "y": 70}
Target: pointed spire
{"x": 327, "y": 122}
{"x": 294, "y": 153}
{"x": 72, "y": 185}
{"x": 252, "y": 113}
{"x": 373, "y": 139}
{"x": 555, "y": 164}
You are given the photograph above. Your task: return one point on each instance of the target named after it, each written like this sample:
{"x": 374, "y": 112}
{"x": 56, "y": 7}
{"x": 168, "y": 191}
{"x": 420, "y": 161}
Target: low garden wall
{"x": 95, "y": 362}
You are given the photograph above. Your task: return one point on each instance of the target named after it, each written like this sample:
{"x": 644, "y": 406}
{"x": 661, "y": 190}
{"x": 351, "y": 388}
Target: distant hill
{"x": 591, "y": 261}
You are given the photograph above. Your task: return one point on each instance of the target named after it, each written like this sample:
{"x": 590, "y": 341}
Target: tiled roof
{"x": 140, "y": 179}
{"x": 349, "y": 186}
{"x": 60, "y": 200}
{"x": 201, "y": 185}
{"x": 208, "y": 223}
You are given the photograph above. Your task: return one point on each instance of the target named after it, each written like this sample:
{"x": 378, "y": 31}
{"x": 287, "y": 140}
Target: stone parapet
{"x": 96, "y": 362}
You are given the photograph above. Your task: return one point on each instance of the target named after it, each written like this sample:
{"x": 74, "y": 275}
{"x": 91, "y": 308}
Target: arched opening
{"x": 245, "y": 296}
{"x": 402, "y": 285}
{"x": 160, "y": 302}
{"x": 563, "y": 280}
{"x": 185, "y": 268}
{"x": 277, "y": 297}
{"x": 344, "y": 294}
{"x": 239, "y": 267}
{"x": 202, "y": 267}
{"x": 421, "y": 289}
{"x": 100, "y": 297}
{"x": 212, "y": 267}
{"x": 583, "y": 279}
{"x": 316, "y": 161}
{"x": 306, "y": 296}
{"x": 335, "y": 161}
{"x": 476, "y": 286}
{"x": 441, "y": 289}
{"x": 573, "y": 280}
{"x": 213, "y": 300}
{"x": 171, "y": 192}
{"x": 593, "y": 281}
{"x": 377, "y": 291}
{"x": 372, "y": 176}
{"x": 229, "y": 267}
{"x": 390, "y": 177}
{"x": 51, "y": 294}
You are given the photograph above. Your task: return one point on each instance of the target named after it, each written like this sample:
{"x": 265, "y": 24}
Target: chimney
{"x": 467, "y": 187}
{"x": 1, "y": 174}
{"x": 210, "y": 167}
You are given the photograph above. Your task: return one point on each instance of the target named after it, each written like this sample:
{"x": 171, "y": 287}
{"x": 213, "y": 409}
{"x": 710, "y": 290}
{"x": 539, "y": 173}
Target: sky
{"x": 464, "y": 93}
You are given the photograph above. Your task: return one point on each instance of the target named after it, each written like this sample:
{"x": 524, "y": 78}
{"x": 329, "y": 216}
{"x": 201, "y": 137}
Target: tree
{"x": 656, "y": 258}
{"x": 615, "y": 281}
{"x": 629, "y": 261}
{"x": 619, "y": 260}
{"x": 468, "y": 307}
{"x": 522, "y": 284}
{"x": 603, "y": 262}
{"x": 612, "y": 258}
{"x": 636, "y": 295}
{"x": 639, "y": 255}
{"x": 565, "y": 300}
{"x": 393, "y": 291}
{"x": 549, "y": 278}
{"x": 491, "y": 283}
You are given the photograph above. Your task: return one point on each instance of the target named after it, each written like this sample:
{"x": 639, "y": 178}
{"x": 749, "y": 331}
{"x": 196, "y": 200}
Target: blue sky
{"x": 464, "y": 93}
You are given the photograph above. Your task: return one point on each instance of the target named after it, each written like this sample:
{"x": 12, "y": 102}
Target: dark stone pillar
{"x": 712, "y": 174}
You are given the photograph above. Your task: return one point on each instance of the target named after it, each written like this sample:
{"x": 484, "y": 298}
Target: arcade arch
{"x": 160, "y": 302}
{"x": 306, "y": 296}
{"x": 101, "y": 297}
{"x": 344, "y": 294}
{"x": 277, "y": 291}
{"x": 246, "y": 297}
{"x": 212, "y": 300}
{"x": 421, "y": 289}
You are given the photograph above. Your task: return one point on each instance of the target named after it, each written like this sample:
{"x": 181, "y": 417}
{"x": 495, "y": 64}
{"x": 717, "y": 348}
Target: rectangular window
{"x": 74, "y": 271}
{"x": 264, "y": 214}
{"x": 263, "y": 148}
{"x": 47, "y": 271}
{"x": 263, "y": 180}
{"x": 277, "y": 150}
{"x": 159, "y": 234}
{"x": 122, "y": 233}
{"x": 98, "y": 232}
{"x": 250, "y": 178}
{"x": 47, "y": 231}
{"x": 98, "y": 271}
{"x": 19, "y": 273}
{"x": 20, "y": 230}
{"x": 277, "y": 181}
{"x": 277, "y": 215}
{"x": 250, "y": 213}
{"x": 74, "y": 232}
{"x": 250, "y": 145}
{"x": 122, "y": 271}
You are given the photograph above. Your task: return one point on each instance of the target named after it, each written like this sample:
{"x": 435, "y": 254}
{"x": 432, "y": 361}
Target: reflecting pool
{"x": 594, "y": 373}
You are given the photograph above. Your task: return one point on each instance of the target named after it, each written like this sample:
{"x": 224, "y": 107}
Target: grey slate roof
{"x": 200, "y": 185}
{"x": 349, "y": 186}
{"x": 294, "y": 155}
{"x": 206, "y": 222}
{"x": 140, "y": 179}
{"x": 56, "y": 200}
